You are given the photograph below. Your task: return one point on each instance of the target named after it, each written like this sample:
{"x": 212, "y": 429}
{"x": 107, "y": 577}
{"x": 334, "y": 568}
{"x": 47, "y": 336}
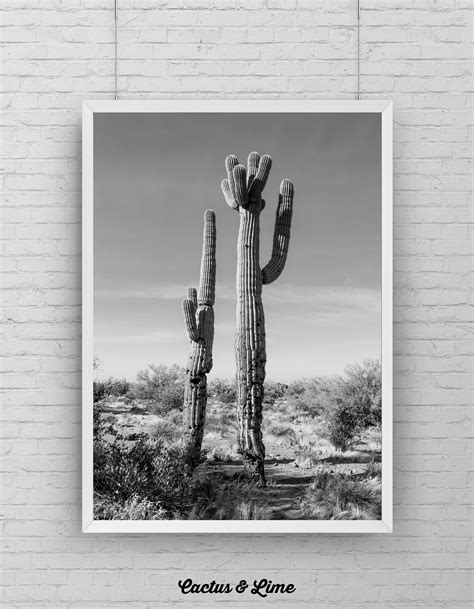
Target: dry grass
{"x": 346, "y": 482}
{"x": 218, "y": 496}
{"x": 135, "y": 508}
{"x": 337, "y": 496}
{"x": 220, "y": 437}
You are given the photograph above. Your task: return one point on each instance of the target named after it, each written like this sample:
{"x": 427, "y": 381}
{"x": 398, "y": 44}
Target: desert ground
{"x": 322, "y": 438}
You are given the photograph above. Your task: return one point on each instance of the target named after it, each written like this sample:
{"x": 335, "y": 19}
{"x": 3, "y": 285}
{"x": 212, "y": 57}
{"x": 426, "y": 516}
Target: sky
{"x": 155, "y": 175}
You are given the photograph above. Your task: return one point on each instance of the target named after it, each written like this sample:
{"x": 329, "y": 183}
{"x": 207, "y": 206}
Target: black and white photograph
{"x": 236, "y": 349}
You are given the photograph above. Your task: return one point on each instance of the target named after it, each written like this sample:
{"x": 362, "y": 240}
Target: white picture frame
{"x": 89, "y": 525}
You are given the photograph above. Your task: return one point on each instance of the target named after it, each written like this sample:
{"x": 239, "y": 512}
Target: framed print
{"x": 237, "y": 316}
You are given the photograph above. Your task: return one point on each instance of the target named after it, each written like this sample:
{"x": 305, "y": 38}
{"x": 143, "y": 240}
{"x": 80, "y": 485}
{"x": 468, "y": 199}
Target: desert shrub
{"x": 135, "y": 508}
{"x": 362, "y": 386}
{"x": 100, "y": 391}
{"x": 306, "y": 456}
{"x": 296, "y": 388}
{"x": 372, "y": 437}
{"x": 355, "y": 405}
{"x": 176, "y": 417}
{"x": 223, "y": 390}
{"x": 374, "y": 470}
{"x": 144, "y": 469}
{"x": 225, "y": 418}
{"x": 309, "y": 397}
{"x": 218, "y": 447}
{"x": 278, "y": 436}
{"x": 164, "y": 430}
{"x": 102, "y": 425}
{"x": 337, "y": 496}
{"x": 122, "y": 470}
{"x": 280, "y": 430}
{"x": 98, "y": 425}
{"x": 161, "y": 386}
{"x": 110, "y": 387}
{"x": 341, "y": 424}
{"x": 273, "y": 392}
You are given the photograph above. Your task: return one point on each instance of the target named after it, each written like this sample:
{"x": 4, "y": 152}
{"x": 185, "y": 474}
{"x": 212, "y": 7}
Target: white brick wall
{"x": 59, "y": 53}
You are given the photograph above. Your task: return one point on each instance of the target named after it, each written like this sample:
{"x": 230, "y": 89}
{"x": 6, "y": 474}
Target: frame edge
{"x": 87, "y": 310}
{"x": 89, "y": 107}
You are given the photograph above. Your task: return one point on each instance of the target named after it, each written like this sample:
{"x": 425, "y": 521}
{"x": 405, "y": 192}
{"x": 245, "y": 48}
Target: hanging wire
{"x": 358, "y": 49}
{"x": 115, "y": 48}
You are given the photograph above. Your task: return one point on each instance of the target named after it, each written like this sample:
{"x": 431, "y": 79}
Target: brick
{"x": 57, "y": 54}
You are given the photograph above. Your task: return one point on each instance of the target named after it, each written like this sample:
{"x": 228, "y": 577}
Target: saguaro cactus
{"x": 243, "y": 192}
{"x": 199, "y": 320}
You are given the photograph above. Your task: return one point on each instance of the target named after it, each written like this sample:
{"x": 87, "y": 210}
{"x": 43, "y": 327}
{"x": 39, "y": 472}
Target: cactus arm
{"x": 252, "y": 167}
{"x": 231, "y": 161}
{"x": 228, "y": 196}
{"x": 261, "y": 177}
{"x": 207, "y": 281}
{"x": 190, "y": 319}
{"x": 228, "y": 185}
{"x": 281, "y": 235}
{"x": 192, "y": 295}
{"x": 239, "y": 176}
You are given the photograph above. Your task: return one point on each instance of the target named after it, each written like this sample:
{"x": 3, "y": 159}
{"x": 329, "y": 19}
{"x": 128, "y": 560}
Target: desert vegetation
{"x": 322, "y": 438}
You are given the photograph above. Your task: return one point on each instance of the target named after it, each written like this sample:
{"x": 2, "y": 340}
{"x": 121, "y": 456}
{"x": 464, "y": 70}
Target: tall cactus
{"x": 243, "y": 193}
{"x": 199, "y": 321}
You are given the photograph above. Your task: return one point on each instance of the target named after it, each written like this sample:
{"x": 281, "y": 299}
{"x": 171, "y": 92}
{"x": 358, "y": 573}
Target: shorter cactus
{"x": 199, "y": 321}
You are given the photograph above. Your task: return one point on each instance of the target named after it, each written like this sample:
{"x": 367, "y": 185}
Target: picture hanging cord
{"x": 358, "y": 49}
{"x": 115, "y": 49}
